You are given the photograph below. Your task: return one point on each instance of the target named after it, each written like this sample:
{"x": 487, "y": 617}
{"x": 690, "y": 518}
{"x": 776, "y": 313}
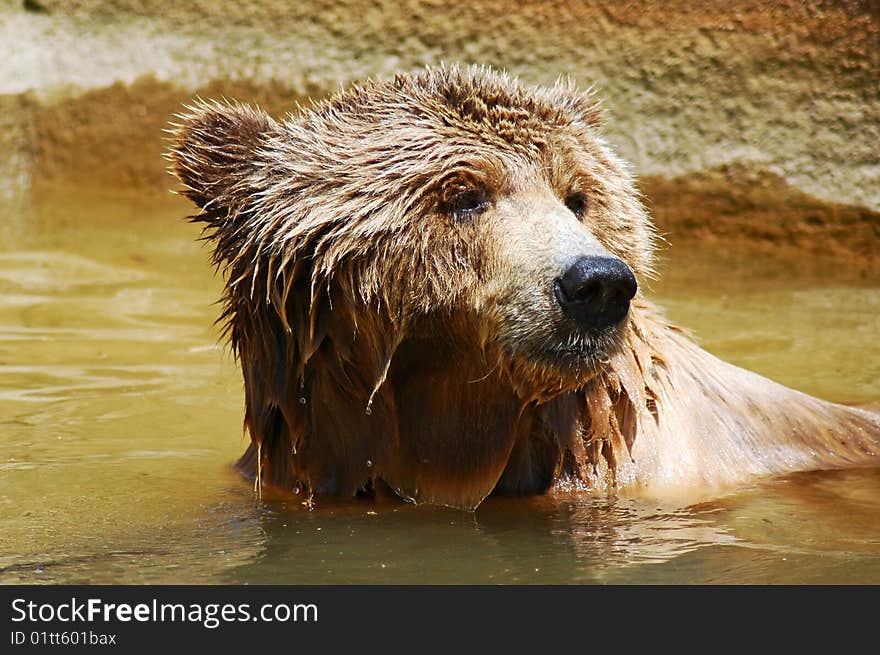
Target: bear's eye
{"x": 577, "y": 203}
{"x": 465, "y": 205}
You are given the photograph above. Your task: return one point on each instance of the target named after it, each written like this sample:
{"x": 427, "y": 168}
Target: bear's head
{"x": 409, "y": 265}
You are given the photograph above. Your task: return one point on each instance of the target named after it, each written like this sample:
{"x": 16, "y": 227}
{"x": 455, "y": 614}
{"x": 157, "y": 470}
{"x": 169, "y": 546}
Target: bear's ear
{"x": 214, "y": 151}
{"x": 582, "y": 104}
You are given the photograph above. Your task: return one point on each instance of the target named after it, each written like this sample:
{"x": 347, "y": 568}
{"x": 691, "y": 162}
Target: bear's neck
{"x": 439, "y": 430}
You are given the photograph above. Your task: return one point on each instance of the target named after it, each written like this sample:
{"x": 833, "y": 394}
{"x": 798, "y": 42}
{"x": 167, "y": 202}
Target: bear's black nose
{"x": 595, "y": 292}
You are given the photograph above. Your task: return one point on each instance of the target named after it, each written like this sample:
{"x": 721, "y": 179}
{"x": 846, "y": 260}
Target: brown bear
{"x": 432, "y": 287}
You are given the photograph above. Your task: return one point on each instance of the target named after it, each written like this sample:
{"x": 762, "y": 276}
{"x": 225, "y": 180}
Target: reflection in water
{"x": 547, "y": 540}
{"x": 120, "y": 414}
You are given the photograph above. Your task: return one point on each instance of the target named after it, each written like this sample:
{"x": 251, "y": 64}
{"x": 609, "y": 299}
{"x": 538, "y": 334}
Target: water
{"x": 120, "y": 415}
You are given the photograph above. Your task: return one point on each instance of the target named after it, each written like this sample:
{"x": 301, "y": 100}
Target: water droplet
{"x": 295, "y": 489}
{"x": 368, "y": 411}
{"x": 369, "y": 463}
{"x": 302, "y": 400}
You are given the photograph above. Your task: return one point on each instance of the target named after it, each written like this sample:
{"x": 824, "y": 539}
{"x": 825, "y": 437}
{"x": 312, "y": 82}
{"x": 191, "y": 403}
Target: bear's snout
{"x": 595, "y": 291}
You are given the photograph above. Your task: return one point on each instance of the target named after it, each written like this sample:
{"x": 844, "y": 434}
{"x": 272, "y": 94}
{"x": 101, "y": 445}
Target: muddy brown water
{"x": 120, "y": 414}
